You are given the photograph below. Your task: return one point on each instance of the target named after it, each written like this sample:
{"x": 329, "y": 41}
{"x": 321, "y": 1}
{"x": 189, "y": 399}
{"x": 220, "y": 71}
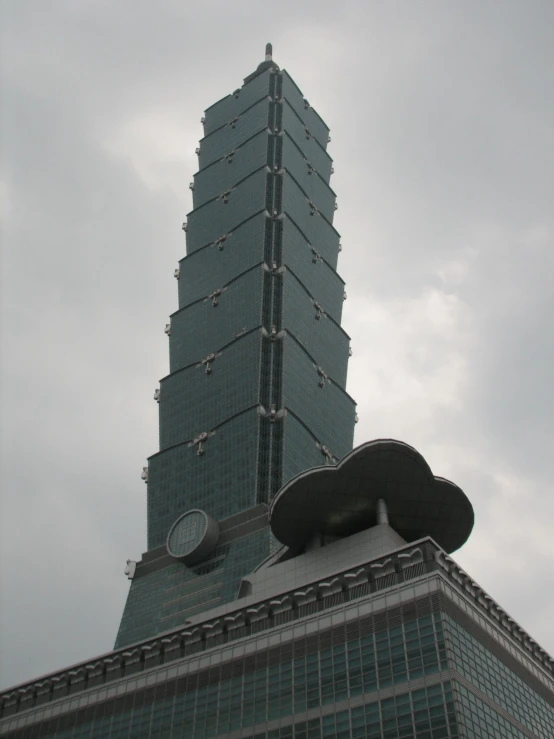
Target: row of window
{"x": 422, "y": 714}
{"x": 481, "y": 722}
{"x": 495, "y": 679}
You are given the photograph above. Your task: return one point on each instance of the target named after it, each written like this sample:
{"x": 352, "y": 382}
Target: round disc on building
{"x": 192, "y": 537}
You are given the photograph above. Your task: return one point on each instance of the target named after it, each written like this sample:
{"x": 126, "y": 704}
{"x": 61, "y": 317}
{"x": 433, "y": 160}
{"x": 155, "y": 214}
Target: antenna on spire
{"x": 268, "y": 52}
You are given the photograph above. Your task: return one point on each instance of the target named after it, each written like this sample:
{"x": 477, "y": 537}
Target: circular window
{"x": 192, "y": 537}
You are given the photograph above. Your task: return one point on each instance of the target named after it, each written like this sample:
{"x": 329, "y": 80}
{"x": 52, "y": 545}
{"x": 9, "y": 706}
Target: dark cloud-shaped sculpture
{"x": 342, "y": 500}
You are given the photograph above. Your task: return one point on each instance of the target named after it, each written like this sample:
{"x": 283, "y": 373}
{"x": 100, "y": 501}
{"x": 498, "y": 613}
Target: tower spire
{"x": 267, "y": 63}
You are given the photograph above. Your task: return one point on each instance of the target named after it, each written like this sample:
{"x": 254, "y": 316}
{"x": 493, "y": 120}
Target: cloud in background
{"x": 441, "y": 122}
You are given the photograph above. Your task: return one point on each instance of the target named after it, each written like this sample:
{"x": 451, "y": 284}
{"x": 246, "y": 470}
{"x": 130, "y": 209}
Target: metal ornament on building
{"x": 208, "y": 361}
{"x": 200, "y": 441}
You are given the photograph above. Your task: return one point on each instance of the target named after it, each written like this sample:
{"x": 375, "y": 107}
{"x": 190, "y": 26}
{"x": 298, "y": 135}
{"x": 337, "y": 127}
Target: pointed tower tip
{"x": 267, "y": 63}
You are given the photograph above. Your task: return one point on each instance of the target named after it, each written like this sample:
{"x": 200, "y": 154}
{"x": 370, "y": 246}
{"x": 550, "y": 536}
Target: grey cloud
{"x": 441, "y": 136}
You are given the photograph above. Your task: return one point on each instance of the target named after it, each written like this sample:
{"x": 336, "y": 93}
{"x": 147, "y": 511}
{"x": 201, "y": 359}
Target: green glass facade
{"x": 258, "y": 358}
{"x": 493, "y": 678}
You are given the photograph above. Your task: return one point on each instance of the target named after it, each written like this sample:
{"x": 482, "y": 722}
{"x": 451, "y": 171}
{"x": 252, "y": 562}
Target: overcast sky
{"x": 441, "y": 114}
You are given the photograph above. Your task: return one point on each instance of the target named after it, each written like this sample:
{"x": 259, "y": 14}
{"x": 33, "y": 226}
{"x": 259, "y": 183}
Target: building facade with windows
{"x": 292, "y": 586}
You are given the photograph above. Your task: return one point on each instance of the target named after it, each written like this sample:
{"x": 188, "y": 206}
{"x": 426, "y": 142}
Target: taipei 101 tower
{"x": 258, "y": 359}
{"x": 292, "y": 587}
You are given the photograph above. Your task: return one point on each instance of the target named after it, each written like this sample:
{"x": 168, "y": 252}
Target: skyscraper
{"x": 258, "y": 359}
{"x": 292, "y": 586}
